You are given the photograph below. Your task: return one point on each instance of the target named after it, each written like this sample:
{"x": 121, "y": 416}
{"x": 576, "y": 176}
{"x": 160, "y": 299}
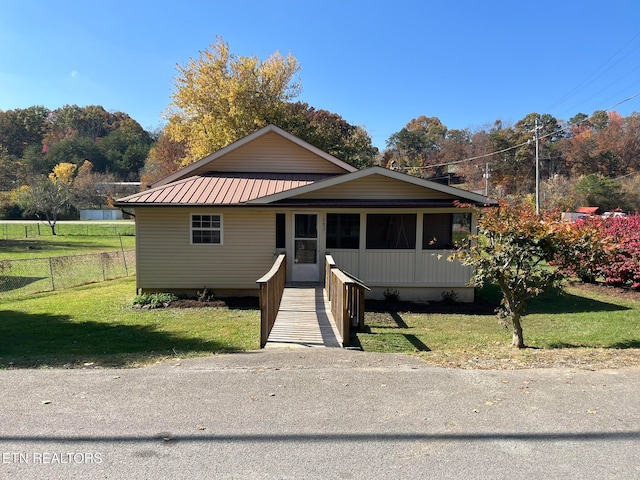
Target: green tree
{"x": 20, "y": 128}
{"x": 512, "y": 250}
{"x": 77, "y": 150}
{"x": 418, "y": 142}
{"x": 598, "y": 191}
{"x": 46, "y": 199}
{"x": 221, "y": 97}
{"x": 327, "y": 131}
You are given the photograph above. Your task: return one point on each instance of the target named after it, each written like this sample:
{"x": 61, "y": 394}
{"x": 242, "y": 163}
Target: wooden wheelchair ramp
{"x": 304, "y": 320}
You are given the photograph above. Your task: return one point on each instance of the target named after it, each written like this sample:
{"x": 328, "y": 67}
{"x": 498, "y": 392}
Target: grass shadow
{"x": 39, "y": 245}
{"x": 8, "y": 284}
{"x": 36, "y": 340}
{"x": 615, "y": 346}
{"x": 554, "y": 301}
{"x": 418, "y": 344}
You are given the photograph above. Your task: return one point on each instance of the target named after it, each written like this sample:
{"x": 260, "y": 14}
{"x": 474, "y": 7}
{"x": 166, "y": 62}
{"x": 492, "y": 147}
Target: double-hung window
{"x": 206, "y": 229}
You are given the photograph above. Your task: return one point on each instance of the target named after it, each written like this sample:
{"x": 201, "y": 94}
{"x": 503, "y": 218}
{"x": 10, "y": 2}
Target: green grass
{"x": 61, "y": 245}
{"x": 97, "y": 324}
{"x": 22, "y": 230}
{"x": 574, "y": 321}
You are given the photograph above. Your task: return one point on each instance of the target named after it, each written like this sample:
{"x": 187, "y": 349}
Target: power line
{"x": 550, "y": 134}
{"x": 593, "y": 76}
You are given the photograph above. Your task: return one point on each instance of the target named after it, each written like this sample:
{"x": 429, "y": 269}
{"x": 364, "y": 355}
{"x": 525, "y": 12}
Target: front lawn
{"x": 96, "y": 325}
{"x": 583, "y": 328}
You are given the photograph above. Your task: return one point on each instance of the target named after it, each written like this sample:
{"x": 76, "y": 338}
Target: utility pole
{"x": 537, "y": 170}
{"x": 486, "y": 179}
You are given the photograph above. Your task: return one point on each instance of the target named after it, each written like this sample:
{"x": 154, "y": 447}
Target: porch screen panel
{"x": 391, "y": 231}
{"x": 343, "y": 230}
{"x": 445, "y": 230}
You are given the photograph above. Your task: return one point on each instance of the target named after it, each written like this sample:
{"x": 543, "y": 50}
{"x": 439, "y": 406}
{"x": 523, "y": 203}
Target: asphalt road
{"x": 318, "y": 413}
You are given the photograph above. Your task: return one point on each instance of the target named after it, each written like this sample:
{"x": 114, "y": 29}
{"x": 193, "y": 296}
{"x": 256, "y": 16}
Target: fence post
{"x": 124, "y": 257}
{"x": 53, "y": 283}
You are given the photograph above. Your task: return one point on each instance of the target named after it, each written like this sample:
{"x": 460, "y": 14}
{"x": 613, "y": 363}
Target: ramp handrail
{"x": 346, "y": 296}
{"x": 271, "y": 288}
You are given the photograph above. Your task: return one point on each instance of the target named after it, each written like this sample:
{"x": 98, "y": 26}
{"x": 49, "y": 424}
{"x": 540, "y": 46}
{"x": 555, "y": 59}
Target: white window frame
{"x": 208, "y": 229}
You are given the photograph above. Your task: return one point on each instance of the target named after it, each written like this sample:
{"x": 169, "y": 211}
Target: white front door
{"x": 305, "y": 243}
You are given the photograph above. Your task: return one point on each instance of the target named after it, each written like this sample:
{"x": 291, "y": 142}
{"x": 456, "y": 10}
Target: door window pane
{"x": 306, "y": 226}
{"x": 306, "y": 251}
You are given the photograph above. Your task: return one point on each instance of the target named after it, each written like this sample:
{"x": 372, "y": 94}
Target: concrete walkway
{"x": 304, "y": 320}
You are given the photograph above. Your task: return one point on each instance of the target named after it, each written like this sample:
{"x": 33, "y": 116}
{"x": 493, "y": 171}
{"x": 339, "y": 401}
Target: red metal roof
{"x": 221, "y": 188}
{"x": 588, "y": 210}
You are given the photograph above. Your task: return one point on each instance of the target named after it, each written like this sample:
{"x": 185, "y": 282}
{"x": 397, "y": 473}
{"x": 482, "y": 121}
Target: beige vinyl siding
{"x": 395, "y": 268}
{"x": 376, "y": 187}
{"x": 433, "y": 267}
{"x": 273, "y": 154}
{"x": 168, "y": 260}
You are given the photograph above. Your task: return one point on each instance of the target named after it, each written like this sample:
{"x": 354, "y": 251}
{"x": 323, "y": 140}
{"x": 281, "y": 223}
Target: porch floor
{"x": 304, "y": 320}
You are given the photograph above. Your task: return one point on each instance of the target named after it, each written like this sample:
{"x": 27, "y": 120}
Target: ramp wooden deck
{"x": 304, "y": 320}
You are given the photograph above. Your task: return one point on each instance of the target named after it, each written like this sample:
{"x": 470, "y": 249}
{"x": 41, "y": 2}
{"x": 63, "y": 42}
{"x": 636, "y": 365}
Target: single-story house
{"x": 220, "y": 222}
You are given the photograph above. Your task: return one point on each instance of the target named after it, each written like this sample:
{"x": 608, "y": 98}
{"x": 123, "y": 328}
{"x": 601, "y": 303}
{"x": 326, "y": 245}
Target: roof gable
{"x": 268, "y": 150}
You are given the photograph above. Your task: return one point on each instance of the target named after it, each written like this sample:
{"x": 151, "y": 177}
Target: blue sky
{"x": 377, "y": 64}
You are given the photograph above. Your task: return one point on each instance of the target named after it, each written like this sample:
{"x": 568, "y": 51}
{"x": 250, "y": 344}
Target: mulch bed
{"x": 238, "y": 303}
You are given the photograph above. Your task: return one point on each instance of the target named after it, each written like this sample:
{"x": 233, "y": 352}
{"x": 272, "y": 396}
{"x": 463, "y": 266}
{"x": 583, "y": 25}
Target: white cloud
{"x": 74, "y": 74}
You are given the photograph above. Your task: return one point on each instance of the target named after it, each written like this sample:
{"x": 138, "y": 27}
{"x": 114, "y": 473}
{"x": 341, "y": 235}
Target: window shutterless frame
{"x": 206, "y": 229}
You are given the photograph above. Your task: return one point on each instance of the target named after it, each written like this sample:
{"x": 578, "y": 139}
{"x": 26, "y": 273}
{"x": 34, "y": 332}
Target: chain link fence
{"x": 32, "y": 275}
{"x": 18, "y": 230}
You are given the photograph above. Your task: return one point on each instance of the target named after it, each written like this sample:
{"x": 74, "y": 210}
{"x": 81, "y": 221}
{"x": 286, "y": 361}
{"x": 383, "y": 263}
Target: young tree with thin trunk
{"x": 512, "y": 250}
{"x": 46, "y": 199}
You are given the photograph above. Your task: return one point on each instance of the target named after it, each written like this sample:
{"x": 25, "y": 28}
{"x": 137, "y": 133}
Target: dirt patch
{"x": 504, "y": 357}
{"x": 479, "y": 307}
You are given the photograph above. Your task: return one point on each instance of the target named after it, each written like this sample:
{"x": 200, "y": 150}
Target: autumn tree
{"x": 413, "y": 146}
{"x": 47, "y": 199}
{"x": 515, "y": 166}
{"x": 512, "y": 250}
{"x": 163, "y": 159}
{"x": 221, "y": 97}
{"x": 91, "y": 189}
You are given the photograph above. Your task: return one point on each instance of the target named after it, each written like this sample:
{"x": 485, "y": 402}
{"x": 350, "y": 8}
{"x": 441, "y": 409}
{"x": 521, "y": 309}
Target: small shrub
{"x": 391, "y": 296}
{"x": 153, "y": 300}
{"x": 205, "y": 295}
{"x": 449, "y": 298}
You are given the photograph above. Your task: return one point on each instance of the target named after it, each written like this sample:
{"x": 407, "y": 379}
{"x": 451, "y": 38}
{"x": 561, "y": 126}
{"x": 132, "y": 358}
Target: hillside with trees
{"x": 588, "y": 160}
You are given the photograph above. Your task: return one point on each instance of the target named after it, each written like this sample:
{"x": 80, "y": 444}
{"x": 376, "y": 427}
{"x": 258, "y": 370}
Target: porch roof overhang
{"x": 367, "y": 203}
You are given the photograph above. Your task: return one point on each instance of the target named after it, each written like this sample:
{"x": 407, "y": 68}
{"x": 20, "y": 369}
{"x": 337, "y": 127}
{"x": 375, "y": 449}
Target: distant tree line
{"x": 588, "y": 160}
